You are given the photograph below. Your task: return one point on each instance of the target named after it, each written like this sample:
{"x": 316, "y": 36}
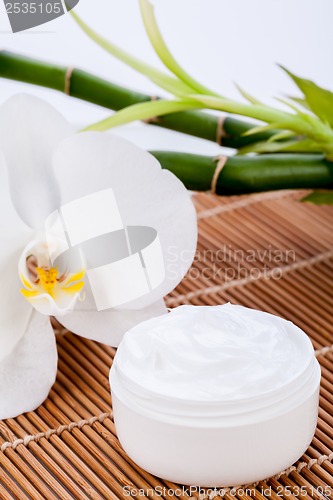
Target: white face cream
{"x": 196, "y": 390}
{"x": 214, "y": 353}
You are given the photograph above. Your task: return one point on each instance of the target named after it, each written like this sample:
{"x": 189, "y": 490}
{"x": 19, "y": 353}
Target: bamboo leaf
{"x": 301, "y": 101}
{"x": 280, "y": 136}
{"x": 280, "y": 127}
{"x": 143, "y": 111}
{"x": 167, "y": 82}
{"x": 259, "y": 112}
{"x": 290, "y": 105}
{"x": 319, "y": 198}
{"x": 294, "y": 146}
{"x": 247, "y": 96}
{"x": 161, "y": 49}
{"x": 319, "y": 100}
{"x": 260, "y": 129}
{"x": 266, "y": 147}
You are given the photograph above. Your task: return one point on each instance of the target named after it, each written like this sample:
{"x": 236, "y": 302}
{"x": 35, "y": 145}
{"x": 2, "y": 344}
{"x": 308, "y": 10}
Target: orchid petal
{"x": 14, "y": 310}
{"x": 28, "y": 373}
{"x": 30, "y": 129}
{"x": 145, "y": 195}
{"x": 45, "y": 304}
{"x": 109, "y": 326}
{"x": 14, "y": 234}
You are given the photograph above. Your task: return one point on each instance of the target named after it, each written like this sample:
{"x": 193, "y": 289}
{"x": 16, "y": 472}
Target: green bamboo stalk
{"x": 242, "y": 175}
{"x": 77, "y": 83}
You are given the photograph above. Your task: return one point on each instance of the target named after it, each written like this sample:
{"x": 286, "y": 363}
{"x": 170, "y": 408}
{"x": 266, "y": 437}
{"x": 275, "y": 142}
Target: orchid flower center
{"x": 47, "y": 279}
{"x": 49, "y": 290}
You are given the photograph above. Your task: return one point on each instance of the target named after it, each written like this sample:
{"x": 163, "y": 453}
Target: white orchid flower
{"x": 44, "y": 166}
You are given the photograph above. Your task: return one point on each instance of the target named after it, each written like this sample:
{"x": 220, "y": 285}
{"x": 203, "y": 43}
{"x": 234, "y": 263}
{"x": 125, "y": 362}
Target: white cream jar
{"x": 215, "y": 396}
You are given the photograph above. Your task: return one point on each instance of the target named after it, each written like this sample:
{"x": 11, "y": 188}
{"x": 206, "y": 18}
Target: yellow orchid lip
{"x": 48, "y": 281}
{"x": 51, "y": 288}
{"x": 45, "y": 283}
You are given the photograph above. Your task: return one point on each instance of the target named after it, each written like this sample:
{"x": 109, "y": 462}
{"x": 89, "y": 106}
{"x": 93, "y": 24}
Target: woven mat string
{"x": 262, "y": 275}
{"x": 58, "y": 431}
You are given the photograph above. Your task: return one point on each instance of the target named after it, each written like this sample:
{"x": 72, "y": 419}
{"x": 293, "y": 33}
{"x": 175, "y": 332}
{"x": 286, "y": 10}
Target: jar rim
{"x": 243, "y": 367}
{"x": 151, "y": 392}
{"x": 163, "y": 404}
{"x": 292, "y": 369}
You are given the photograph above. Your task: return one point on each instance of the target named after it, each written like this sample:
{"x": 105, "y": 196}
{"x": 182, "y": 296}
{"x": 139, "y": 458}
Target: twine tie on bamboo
{"x": 221, "y": 163}
{"x": 220, "y": 132}
{"x": 68, "y": 78}
{"x": 152, "y": 119}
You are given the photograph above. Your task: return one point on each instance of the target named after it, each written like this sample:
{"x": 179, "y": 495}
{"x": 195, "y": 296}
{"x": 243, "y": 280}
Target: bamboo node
{"x": 152, "y": 119}
{"x": 221, "y": 163}
{"x": 68, "y": 78}
{"x": 220, "y": 132}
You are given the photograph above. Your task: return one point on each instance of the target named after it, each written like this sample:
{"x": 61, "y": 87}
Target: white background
{"x": 218, "y": 41}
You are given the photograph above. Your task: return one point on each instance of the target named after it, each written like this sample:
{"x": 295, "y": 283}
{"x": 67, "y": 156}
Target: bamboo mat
{"x": 264, "y": 251}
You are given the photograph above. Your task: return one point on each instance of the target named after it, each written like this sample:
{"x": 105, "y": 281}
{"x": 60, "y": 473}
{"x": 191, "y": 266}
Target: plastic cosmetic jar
{"x": 215, "y": 396}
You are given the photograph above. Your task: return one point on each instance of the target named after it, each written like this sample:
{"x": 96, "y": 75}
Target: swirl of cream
{"x": 214, "y": 353}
